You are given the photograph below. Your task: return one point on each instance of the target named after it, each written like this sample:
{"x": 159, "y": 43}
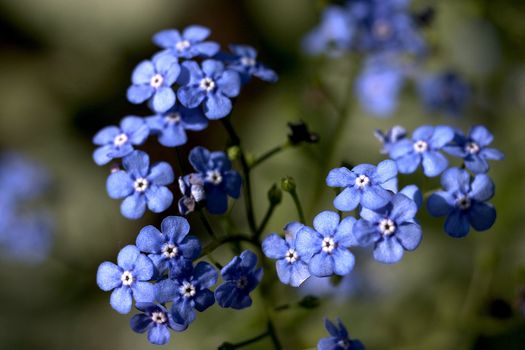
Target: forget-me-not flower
{"x": 463, "y": 202}
{"x": 241, "y": 276}
{"x": 128, "y": 280}
{"x": 212, "y": 86}
{"x": 117, "y": 142}
{"x": 192, "y": 188}
{"x": 444, "y": 93}
{"x": 157, "y": 321}
{"x": 325, "y": 247}
{"x": 189, "y": 44}
{"x": 423, "y": 149}
{"x": 141, "y": 185}
{"x": 339, "y": 338}
{"x": 391, "y": 136}
{"x": 244, "y": 61}
{"x": 170, "y": 249}
{"x": 291, "y": 269}
{"x": 365, "y": 184}
{"x": 153, "y": 80}
{"x": 391, "y": 229}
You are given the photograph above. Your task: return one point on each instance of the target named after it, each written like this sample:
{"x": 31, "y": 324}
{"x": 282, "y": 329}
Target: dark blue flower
{"x": 365, "y": 184}
{"x": 192, "y": 188}
{"x": 444, "y": 93}
{"x": 141, "y": 185}
{"x": 334, "y": 34}
{"x": 117, "y": 142}
{"x": 391, "y": 229}
{"x": 339, "y": 338}
{"x": 463, "y": 202}
{"x": 213, "y": 86}
{"x": 171, "y": 249}
{"x": 219, "y": 180}
{"x": 389, "y": 138}
{"x": 244, "y": 61}
{"x": 423, "y": 149}
{"x": 474, "y": 149}
{"x": 290, "y": 266}
{"x": 189, "y": 290}
{"x": 171, "y": 126}
{"x": 189, "y": 44}
{"x": 157, "y": 321}
{"x": 325, "y": 247}
{"x": 240, "y": 277}
{"x": 153, "y": 80}
{"x": 128, "y": 280}
{"x": 378, "y": 86}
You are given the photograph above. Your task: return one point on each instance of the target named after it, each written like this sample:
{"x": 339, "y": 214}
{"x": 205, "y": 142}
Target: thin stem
{"x": 216, "y": 243}
{"x": 236, "y": 141}
{"x": 269, "y": 154}
{"x": 207, "y": 224}
{"x": 265, "y": 220}
{"x": 249, "y": 341}
{"x": 273, "y": 335}
{"x": 298, "y": 206}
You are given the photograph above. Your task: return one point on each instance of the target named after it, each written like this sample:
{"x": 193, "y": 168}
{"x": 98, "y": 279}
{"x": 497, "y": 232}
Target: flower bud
{"x": 288, "y": 184}
{"x": 275, "y": 195}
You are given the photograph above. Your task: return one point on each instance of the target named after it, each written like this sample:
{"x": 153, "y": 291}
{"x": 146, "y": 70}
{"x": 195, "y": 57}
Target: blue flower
{"x": 244, "y": 61}
{"x": 444, "y": 93}
{"x": 21, "y": 179}
{"x": 474, "y": 149}
{"x": 153, "y": 80}
{"x": 189, "y": 290}
{"x": 128, "y": 280}
{"x": 291, "y": 269}
{"x": 378, "y": 86}
{"x": 157, "y": 321}
{"x": 339, "y": 339}
{"x": 171, "y": 249}
{"x": 189, "y": 44}
{"x": 117, "y": 142}
{"x": 219, "y": 180}
{"x": 389, "y": 138}
{"x": 240, "y": 277}
{"x": 192, "y": 188}
{"x": 413, "y": 192}
{"x": 365, "y": 184}
{"x": 141, "y": 185}
{"x": 213, "y": 86}
{"x": 463, "y": 202}
{"x": 423, "y": 149}
{"x": 325, "y": 247}
{"x": 171, "y": 126}
{"x": 391, "y": 229}
{"x": 334, "y": 34}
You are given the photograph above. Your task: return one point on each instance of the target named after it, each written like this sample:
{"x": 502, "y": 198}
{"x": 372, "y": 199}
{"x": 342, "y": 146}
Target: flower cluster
{"x": 387, "y": 32}
{"x": 25, "y": 229}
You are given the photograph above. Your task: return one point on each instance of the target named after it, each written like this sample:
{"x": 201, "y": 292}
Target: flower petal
{"x": 119, "y": 185}
{"x": 143, "y": 292}
{"x": 326, "y": 222}
{"x": 308, "y": 243}
{"x": 482, "y": 216}
{"x": 441, "y": 136}
{"x": 343, "y": 235}
{"x": 159, "y": 198}
{"x": 150, "y": 240}
{"x": 142, "y": 73}
{"x": 161, "y": 174}
{"x": 440, "y": 203}
{"x": 457, "y": 224}
{"x": 375, "y": 197}
{"x": 348, "y": 199}
{"x": 274, "y": 247}
{"x": 365, "y": 233}
{"x": 121, "y": 300}
{"x": 163, "y": 99}
{"x": 139, "y": 93}
{"x": 321, "y": 265}
{"x": 409, "y": 235}
{"x": 403, "y": 208}
{"x": 217, "y": 106}
{"x": 482, "y": 188}
{"x": 127, "y": 257}
{"x": 191, "y": 96}
{"x": 385, "y": 171}
{"x": 344, "y": 262}
{"x": 176, "y": 228}
{"x": 456, "y": 179}
{"x": 434, "y": 163}
{"x": 108, "y": 276}
{"x": 205, "y": 274}
{"x": 340, "y": 177}
{"x": 229, "y": 83}
{"x": 134, "y": 206}
{"x": 481, "y": 135}
{"x": 388, "y": 251}
{"x": 158, "y": 334}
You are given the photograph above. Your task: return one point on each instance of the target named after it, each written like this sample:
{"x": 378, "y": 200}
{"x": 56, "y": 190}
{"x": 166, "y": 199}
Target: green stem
{"x": 236, "y": 141}
{"x": 298, "y": 206}
{"x": 207, "y": 224}
{"x": 269, "y": 154}
{"x": 273, "y": 335}
{"x": 249, "y": 341}
{"x": 216, "y": 243}
{"x": 265, "y": 220}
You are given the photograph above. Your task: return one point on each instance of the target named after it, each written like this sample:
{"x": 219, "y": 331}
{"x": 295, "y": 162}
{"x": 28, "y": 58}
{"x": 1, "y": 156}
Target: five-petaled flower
{"x": 153, "y": 80}
{"x": 365, "y": 184}
{"x": 171, "y": 249}
{"x": 157, "y": 321}
{"x": 339, "y": 338}
{"x": 117, "y": 142}
{"x": 423, "y": 149}
{"x": 290, "y": 266}
{"x": 213, "y": 86}
{"x": 444, "y": 93}
{"x": 391, "y": 229}
{"x": 390, "y": 137}
{"x": 241, "y": 276}
{"x": 128, "y": 280}
{"x": 463, "y": 202}
{"x": 189, "y": 44}
{"x": 244, "y": 61}
{"x": 141, "y": 185}
{"x": 325, "y": 247}
{"x": 473, "y": 148}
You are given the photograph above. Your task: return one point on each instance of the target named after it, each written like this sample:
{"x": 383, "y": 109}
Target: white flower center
{"x": 141, "y": 184}
{"x": 156, "y": 81}
{"x": 120, "y": 139}
{"x": 291, "y": 256}
{"x": 126, "y": 278}
{"x": 182, "y": 45}
{"x": 172, "y": 118}
{"x": 248, "y": 61}
{"x": 420, "y": 146}
{"x": 242, "y": 282}
{"x": 472, "y": 147}
{"x": 387, "y": 227}
{"x": 187, "y": 289}
{"x": 170, "y": 250}
{"x": 362, "y": 181}
{"x": 343, "y": 343}
{"x": 463, "y": 202}
{"x": 328, "y": 245}
{"x": 214, "y": 177}
{"x": 159, "y": 317}
{"x": 207, "y": 84}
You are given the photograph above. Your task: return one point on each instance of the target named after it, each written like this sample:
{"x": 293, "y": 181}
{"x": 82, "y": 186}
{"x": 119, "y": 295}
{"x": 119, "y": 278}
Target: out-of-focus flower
{"x": 244, "y": 61}
{"x": 189, "y": 44}
{"x": 444, "y": 93}
{"x": 339, "y": 338}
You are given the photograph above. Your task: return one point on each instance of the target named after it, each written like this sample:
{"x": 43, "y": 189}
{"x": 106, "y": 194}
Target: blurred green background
{"x": 64, "y": 69}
